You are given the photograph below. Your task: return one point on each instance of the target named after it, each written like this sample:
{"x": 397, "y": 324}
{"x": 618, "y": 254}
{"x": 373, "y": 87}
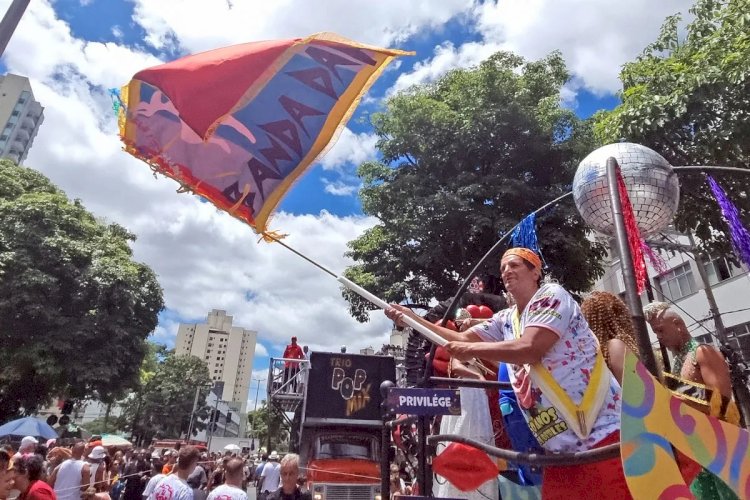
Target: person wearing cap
{"x": 270, "y": 478}
{"x": 569, "y": 398}
{"x": 97, "y": 468}
{"x": 291, "y": 368}
{"x": 28, "y": 445}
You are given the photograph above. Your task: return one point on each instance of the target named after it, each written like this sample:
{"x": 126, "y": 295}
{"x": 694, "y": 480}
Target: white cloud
{"x": 189, "y": 22}
{"x": 260, "y": 350}
{"x": 350, "y": 148}
{"x": 596, "y": 37}
{"x": 446, "y": 57}
{"x": 117, "y": 32}
{"x": 339, "y": 188}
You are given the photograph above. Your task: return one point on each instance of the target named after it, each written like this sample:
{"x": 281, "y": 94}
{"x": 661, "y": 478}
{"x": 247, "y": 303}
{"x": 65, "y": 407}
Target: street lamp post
{"x": 257, "y": 390}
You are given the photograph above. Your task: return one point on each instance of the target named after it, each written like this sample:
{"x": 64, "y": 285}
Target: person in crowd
{"x": 73, "y": 476}
{"x": 217, "y": 476}
{"x": 170, "y": 458}
{"x": 609, "y": 319}
{"x": 28, "y": 445}
{"x": 91, "y": 494}
{"x": 55, "y": 457}
{"x": 289, "y": 472}
{"x": 291, "y": 368}
{"x": 97, "y": 468}
{"x": 397, "y": 484}
{"x": 156, "y": 477}
{"x": 232, "y": 487}
{"x": 135, "y": 476}
{"x": 198, "y": 481}
{"x": 174, "y": 486}
{"x": 270, "y": 478}
{"x": 554, "y": 357}
{"x": 699, "y": 371}
{"x": 259, "y": 470}
{"x": 6, "y": 474}
{"x": 27, "y": 478}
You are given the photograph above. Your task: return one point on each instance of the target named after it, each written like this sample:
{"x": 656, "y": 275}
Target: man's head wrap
{"x": 527, "y": 255}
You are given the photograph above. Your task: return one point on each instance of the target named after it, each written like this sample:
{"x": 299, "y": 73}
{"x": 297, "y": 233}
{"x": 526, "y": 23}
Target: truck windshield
{"x": 346, "y": 446}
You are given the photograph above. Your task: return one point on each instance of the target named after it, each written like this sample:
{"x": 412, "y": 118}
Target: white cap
{"x": 29, "y": 441}
{"x": 98, "y": 453}
{"x": 273, "y": 455}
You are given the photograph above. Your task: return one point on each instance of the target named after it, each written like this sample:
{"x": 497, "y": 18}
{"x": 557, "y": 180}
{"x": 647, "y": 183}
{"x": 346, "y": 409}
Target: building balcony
{"x": 23, "y": 134}
{"x": 29, "y": 122}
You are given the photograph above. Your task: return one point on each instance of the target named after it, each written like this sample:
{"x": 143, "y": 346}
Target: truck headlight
{"x": 378, "y": 497}
{"x": 319, "y": 496}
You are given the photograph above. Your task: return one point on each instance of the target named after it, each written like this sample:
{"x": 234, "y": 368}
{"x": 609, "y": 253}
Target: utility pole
{"x": 255, "y": 409}
{"x": 10, "y": 22}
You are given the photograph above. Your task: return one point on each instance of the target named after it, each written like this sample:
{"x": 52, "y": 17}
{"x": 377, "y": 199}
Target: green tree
{"x": 462, "y": 160}
{"x": 75, "y": 309}
{"x": 259, "y": 420}
{"x": 687, "y": 96}
{"x": 163, "y": 406}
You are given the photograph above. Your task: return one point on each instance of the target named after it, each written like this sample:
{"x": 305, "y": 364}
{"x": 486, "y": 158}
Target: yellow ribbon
{"x": 580, "y": 418}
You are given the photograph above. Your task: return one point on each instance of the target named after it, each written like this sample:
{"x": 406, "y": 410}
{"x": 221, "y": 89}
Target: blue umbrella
{"x": 28, "y": 426}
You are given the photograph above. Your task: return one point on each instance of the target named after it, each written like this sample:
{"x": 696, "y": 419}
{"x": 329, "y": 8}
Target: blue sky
{"x": 73, "y": 50}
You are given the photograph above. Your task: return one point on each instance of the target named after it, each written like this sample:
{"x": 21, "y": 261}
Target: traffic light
{"x": 229, "y": 416}
{"x": 67, "y": 408}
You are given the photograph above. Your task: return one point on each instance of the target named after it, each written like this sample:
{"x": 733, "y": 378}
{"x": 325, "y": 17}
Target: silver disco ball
{"x": 653, "y": 188}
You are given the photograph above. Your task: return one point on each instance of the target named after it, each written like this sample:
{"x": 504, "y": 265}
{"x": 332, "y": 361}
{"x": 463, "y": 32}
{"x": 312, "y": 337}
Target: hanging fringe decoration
{"x": 655, "y": 259}
{"x": 738, "y": 232}
{"x": 525, "y": 236}
{"x": 114, "y": 94}
{"x": 634, "y": 235}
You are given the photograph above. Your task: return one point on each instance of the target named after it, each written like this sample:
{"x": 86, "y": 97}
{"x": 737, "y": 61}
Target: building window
{"x": 15, "y": 113}
{"x": 720, "y": 269}
{"x": 739, "y": 339}
{"x": 678, "y": 282}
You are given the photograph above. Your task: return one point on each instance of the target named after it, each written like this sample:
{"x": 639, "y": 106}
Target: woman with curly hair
{"x": 609, "y": 319}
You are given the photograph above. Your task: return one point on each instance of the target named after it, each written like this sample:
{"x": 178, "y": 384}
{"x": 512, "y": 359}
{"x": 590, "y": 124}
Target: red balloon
{"x": 485, "y": 312}
{"x": 473, "y": 310}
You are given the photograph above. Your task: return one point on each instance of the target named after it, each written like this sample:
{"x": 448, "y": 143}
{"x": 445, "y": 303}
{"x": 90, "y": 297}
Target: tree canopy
{"x": 463, "y": 160}
{"x": 687, "y": 96}
{"x": 75, "y": 309}
{"x": 163, "y": 405}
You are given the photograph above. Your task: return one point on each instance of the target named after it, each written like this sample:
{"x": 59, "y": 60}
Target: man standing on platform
{"x": 291, "y": 368}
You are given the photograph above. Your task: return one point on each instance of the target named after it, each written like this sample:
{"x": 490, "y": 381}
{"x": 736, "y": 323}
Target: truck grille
{"x": 349, "y": 492}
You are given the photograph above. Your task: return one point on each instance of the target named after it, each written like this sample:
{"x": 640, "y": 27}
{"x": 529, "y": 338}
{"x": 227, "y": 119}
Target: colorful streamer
{"x": 739, "y": 234}
{"x": 634, "y": 235}
{"x": 656, "y": 260}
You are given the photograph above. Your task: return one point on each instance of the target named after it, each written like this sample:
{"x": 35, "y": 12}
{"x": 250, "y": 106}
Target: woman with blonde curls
{"x": 609, "y": 319}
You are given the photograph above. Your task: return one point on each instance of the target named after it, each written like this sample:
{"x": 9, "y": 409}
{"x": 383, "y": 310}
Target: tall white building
{"x": 680, "y": 282}
{"x": 20, "y": 117}
{"x": 228, "y": 350}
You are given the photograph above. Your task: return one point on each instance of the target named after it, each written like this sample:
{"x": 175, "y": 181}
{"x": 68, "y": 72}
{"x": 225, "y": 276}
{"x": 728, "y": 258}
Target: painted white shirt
{"x": 227, "y": 492}
{"x": 152, "y": 484}
{"x": 570, "y": 361}
{"x": 172, "y": 488}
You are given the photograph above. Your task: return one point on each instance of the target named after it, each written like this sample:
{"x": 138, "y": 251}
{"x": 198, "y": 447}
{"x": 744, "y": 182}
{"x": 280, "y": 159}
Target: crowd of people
{"x": 82, "y": 470}
{"x": 565, "y": 364}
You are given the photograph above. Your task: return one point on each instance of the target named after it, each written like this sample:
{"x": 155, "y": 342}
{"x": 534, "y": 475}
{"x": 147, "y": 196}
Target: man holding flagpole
{"x": 569, "y": 398}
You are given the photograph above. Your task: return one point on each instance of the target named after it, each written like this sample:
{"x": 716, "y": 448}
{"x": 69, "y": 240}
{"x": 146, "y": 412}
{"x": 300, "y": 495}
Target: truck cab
{"x": 340, "y": 425}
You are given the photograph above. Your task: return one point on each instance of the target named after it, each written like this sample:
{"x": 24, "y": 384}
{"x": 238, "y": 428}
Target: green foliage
{"x": 688, "y": 97}
{"x": 75, "y": 309}
{"x": 464, "y": 159}
{"x": 258, "y": 427}
{"x": 163, "y": 405}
